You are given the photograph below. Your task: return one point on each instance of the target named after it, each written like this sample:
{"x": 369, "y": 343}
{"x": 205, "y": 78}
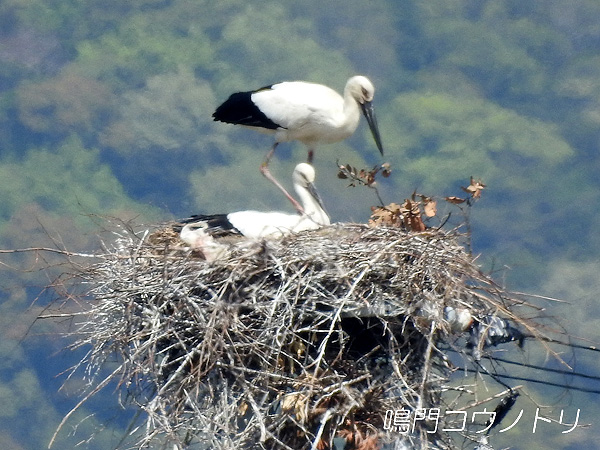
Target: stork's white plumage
{"x": 197, "y": 237}
{"x": 258, "y": 224}
{"x": 307, "y": 112}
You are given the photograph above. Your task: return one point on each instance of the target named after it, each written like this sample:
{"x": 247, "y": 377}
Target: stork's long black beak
{"x": 369, "y": 112}
{"x": 313, "y": 191}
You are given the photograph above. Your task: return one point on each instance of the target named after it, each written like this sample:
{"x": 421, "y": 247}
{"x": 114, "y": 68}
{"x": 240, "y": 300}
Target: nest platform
{"x": 300, "y": 342}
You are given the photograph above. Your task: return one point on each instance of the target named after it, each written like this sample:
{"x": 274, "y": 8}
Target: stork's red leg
{"x": 264, "y": 169}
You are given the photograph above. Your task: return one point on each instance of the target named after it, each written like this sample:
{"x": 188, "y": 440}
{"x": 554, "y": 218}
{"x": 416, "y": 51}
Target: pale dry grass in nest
{"x": 283, "y": 343}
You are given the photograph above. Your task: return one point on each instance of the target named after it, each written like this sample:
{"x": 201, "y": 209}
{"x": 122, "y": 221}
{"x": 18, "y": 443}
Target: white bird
{"x": 258, "y": 224}
{"x": 307, "y": 112}
{"x": 460, "y": 319}
{"x": 197, "y": 237}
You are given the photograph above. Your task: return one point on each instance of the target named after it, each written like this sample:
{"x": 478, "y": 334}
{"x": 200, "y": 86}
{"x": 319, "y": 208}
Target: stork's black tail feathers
{"x": 239, "y": 109}
{"x": 216, "y": 224}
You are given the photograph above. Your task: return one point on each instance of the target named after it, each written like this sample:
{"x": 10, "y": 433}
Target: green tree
{"x": 70, "y": 180}
{"x": 141, "y": 46}
{"x": 292, "y": 52}
{"x": 67, "y": 104}
{"x": 440, "y": 138}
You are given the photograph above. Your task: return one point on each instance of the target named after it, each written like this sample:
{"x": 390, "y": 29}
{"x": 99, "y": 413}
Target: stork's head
{"x": 304, "y": 175}
{"x": 362, "y": 90}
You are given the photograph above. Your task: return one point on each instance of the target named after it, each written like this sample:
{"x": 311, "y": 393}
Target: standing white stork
{"x": 258, "y": 224}
{"x": 307, "y": 112}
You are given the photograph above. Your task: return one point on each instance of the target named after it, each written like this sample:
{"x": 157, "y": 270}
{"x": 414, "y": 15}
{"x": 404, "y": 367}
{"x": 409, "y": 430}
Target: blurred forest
{"x": 105, "y": 110}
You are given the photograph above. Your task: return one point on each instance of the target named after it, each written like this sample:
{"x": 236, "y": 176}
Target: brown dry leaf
{"x": 297, "y": 402}
{"x": 346, "y": 171}
{"x": 368, "y": 177}
{"x": 378, "y": 216}
{"x": 389, "y": 215}
{"x": 474, "y": 188}
{"x": 386, "y": 170}
{"x": 394, "y": 207}
{"x": 242, "y": 408}
{"x": 455, "y": 200}
{"x": 410, "y": 207}
{"x": 416, "y": 223}
{"x": 291, "y": 400}
{"x": 429, "y": 206}
{"x": 411, "y": 212}
{"x": 299, "y": 347}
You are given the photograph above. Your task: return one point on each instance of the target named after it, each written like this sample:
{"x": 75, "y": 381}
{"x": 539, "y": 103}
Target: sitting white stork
{"x": 307, "y": 112}
{"x": 200, "y": 230}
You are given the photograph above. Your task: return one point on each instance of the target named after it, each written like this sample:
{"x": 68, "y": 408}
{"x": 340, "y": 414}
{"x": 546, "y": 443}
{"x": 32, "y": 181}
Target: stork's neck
{"x": 311, "y": 207}
{"x": 351, "y": 110}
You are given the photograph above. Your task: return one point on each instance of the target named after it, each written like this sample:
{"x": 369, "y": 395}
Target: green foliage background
{"x": 105, "y": 110}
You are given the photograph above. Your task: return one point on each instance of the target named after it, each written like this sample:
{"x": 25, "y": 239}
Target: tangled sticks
{"x": 285, "y": 343}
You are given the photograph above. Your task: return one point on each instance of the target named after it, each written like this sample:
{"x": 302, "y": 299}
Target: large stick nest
{"x": 283, "y": 343}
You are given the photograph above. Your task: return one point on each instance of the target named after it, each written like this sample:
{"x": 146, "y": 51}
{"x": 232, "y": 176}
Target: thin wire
{"x": 547, "y": 369}
{"x": 533, "y": 380}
